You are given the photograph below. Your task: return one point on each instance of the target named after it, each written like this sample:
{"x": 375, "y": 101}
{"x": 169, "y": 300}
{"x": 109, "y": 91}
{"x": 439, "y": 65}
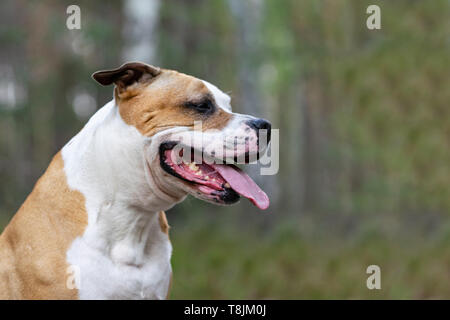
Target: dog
{"x": 94, "y": 225}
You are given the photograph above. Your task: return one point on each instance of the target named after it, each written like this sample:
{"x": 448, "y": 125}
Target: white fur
{"x": 123, "y": 252}
{"x": 223, "y": 100}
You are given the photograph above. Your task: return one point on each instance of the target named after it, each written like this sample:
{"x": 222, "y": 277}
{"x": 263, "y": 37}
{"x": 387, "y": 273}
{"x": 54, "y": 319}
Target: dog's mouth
{"x": 221, "y": 183}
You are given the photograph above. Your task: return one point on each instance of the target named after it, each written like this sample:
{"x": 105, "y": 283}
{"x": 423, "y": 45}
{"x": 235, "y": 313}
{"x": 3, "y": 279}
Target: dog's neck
{"x": 106, "y": 163}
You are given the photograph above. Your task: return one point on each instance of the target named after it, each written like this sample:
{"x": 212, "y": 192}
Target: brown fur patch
{"x": 165, "y": 229}
{"x": 159, "y": 104}
{"x": 163, "y": 223}
{"x": 33, "y": 246}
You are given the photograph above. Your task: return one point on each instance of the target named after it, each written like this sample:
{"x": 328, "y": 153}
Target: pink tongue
{"x": 243, "y": 184}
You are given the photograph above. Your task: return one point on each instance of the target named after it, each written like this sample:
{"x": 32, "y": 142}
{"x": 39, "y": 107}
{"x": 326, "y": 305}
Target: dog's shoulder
{"x": 33, "y": 246}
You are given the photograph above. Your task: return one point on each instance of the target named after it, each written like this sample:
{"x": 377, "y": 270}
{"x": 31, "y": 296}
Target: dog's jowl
{"x": 99, "y": 207}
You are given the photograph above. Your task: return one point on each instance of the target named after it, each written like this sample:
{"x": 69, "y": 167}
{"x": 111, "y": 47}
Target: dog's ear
{"x": 126, "y": 75}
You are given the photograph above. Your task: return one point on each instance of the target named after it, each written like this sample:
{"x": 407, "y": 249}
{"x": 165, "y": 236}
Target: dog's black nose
{"x": 259, "y": 124}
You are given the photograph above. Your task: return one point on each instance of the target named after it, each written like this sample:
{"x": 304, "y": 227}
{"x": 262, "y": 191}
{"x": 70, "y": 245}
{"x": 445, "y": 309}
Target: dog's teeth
{"x": 199, "y": 173}
{"x": 227, "y": 185}
{"x": 206, "y": 178}
{"x": 193, "y": 166}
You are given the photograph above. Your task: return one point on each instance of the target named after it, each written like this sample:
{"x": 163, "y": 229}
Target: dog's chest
{"x": 126, "y": 271}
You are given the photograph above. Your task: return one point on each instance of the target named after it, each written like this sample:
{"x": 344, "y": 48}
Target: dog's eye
{"x": 204, "y": 107}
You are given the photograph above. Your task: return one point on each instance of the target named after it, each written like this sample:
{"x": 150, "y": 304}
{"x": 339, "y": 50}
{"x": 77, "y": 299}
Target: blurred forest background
{"x": 364, "y": 119}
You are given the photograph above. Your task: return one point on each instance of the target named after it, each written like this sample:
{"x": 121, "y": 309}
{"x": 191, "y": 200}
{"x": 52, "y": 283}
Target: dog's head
{"x": 192, "y": 139}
